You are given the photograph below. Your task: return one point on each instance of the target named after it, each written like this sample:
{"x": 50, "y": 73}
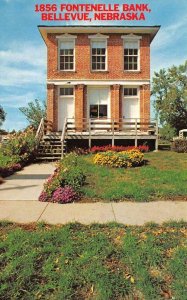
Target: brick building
{"x": 98, "y": 74}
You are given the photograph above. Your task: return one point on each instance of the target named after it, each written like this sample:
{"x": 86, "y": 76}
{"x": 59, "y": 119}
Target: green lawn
{"x": 98, "y": 262}
{"x": 163, "y": 177}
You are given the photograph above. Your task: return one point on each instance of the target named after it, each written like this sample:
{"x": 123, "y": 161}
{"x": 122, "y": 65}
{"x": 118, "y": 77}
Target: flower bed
{"x": 64, "y": 185}
{"x": 17, "y": 151}
{"x": 96, "y": 149}
{"x": 123, "y": 159}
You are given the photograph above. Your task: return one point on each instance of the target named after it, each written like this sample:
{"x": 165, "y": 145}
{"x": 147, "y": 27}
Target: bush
{"x": 17, "y": 151}
{"x": 64, "y": 195}
{"x": 96, "y": 149}
{"x": 22, "y": 144}
{"x": 179, "y": 145}
{"x": 123, "y": 159}
{"x": 75, "y": 178}
{"x": 64, "y": 185}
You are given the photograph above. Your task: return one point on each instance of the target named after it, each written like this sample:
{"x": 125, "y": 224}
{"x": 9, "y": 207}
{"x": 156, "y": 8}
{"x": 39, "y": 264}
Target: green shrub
{"x": 179, "y": 145}
{"x": 75, "y": 178}
{"x": 22, "y": 144}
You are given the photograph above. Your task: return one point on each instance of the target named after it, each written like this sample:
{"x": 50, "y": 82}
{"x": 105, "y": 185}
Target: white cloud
{"x": 16, "y": 101}
{"x": 170, "y": 34}
{"x": 25, "y": 66}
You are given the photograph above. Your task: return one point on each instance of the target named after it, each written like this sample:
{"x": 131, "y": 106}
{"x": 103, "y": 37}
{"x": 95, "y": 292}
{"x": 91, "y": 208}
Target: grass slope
{"x": 101, "y": 262}
{"x": 163, "y": 177}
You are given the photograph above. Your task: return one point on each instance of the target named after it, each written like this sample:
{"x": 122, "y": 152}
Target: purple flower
{"x": 64, "y": 195}
{"x": 44, "y": 197}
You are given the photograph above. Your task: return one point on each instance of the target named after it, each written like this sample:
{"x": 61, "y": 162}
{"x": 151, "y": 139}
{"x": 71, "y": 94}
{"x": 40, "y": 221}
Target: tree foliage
{"x": 2, "y": 115}
{"x": 169, "y": 89}
{"x": 34, "y": 112}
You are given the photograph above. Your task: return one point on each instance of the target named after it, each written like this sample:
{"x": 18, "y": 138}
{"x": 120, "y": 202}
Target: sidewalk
{"x": 26, "y": 184}
{"x": 126, "y": 213}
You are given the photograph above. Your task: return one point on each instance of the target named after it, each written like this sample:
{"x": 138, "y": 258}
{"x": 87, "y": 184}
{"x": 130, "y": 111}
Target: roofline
{"x": 44, "y": 29}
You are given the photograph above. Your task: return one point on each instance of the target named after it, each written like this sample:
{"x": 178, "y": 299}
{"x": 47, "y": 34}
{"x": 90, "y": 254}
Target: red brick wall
{"x": 52, "y": 105}
{"x": 82, "y": 71}
{"x": 82, "y": 59}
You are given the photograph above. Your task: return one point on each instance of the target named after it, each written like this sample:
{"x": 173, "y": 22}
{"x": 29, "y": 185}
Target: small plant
{"x": 123, "y": 159}
{"x": 64, "y": 195}
{"x": 75, "y": 178}
{"x": 179, "y": 145}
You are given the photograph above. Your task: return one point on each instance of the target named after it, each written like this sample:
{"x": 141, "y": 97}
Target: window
{"x": 130, "y": 91}
{"x": 98, "y": 111}
{"x": 131, "y": 53}
{"x": 98, "y": 55}
{"x": 66, "y": 91}
{"x": 67, "y": 55}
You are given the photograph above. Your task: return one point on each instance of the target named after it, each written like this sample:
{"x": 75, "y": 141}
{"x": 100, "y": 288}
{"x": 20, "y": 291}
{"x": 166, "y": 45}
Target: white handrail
{"x": 63, "y": 137}
{"x": 39, "y": 127}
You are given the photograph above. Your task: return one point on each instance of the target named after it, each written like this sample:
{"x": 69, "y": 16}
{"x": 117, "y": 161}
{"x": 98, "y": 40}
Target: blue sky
{"x": 23, "y": 52}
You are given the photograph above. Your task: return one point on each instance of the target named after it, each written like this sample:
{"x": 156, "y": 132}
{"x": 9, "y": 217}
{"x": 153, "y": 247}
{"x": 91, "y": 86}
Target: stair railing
{"x": 40, "y": 132}
{"x": 63, "y": 136}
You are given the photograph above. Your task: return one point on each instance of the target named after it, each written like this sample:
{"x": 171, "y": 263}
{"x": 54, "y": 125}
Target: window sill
{"x": 99, "y": 71}
{"x": 67, "y": 71}
{"x": 132, "y": 71}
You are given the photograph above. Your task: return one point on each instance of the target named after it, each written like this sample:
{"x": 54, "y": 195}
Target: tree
{"x": 34, "y": 112}
{"x": 2, "y": 115}
{"x": 169, "y": 89}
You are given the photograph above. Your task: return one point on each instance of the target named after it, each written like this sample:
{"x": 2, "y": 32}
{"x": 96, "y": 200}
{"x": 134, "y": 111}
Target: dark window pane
{"x": 134, "y": 92}
{"x": 126, "y": 66}
{"x": 103, "y": 59}
{"x": 102, "y": 111}
{"x": 93, "y": 59}
{"x": 103, "y": 66}
{"x": 93, "y": 51}
{"x": 94, "y": 66}
{"x": 125, "y": 91}
{"x": 103, "y": 50}
{"x": 93, "y": 111}
{"x": 130, "y": 51}
{"x": 135, "y": 67}
{"x": 130, "y": 66}
{"x": 135, "y": 51}
{"x": 135, "y": 59}
{"x": 126, "y": 51}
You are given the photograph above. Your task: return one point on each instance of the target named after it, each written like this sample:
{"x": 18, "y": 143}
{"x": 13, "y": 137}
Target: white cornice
{"x": 97, "y": 82}
{"x": 131, "y": 37}
{"x": 98, "y": 36}
{"x": 66, "y": 36}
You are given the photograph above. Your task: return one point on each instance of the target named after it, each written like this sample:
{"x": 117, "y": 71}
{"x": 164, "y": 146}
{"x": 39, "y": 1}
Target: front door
{"x": 66, "y": 110}
{"x": 131, "y": 106}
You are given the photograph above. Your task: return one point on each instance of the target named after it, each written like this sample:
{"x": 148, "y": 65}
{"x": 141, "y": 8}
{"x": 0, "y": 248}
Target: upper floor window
{"x": 131, "y": 56}
{"x": 67, "y": 60}
{"x": 131, "y": 52}
{"x": 98, "y": 55}
{"x": 98, "y": 51}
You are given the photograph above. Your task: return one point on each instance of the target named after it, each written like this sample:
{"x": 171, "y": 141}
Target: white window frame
{"x": 131, "y": 38}
{"x": 108, "y": 104}
{"x": 66, "y": 38}
{"x": 99, "y": 38}
{"x": 66, "y": 96}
